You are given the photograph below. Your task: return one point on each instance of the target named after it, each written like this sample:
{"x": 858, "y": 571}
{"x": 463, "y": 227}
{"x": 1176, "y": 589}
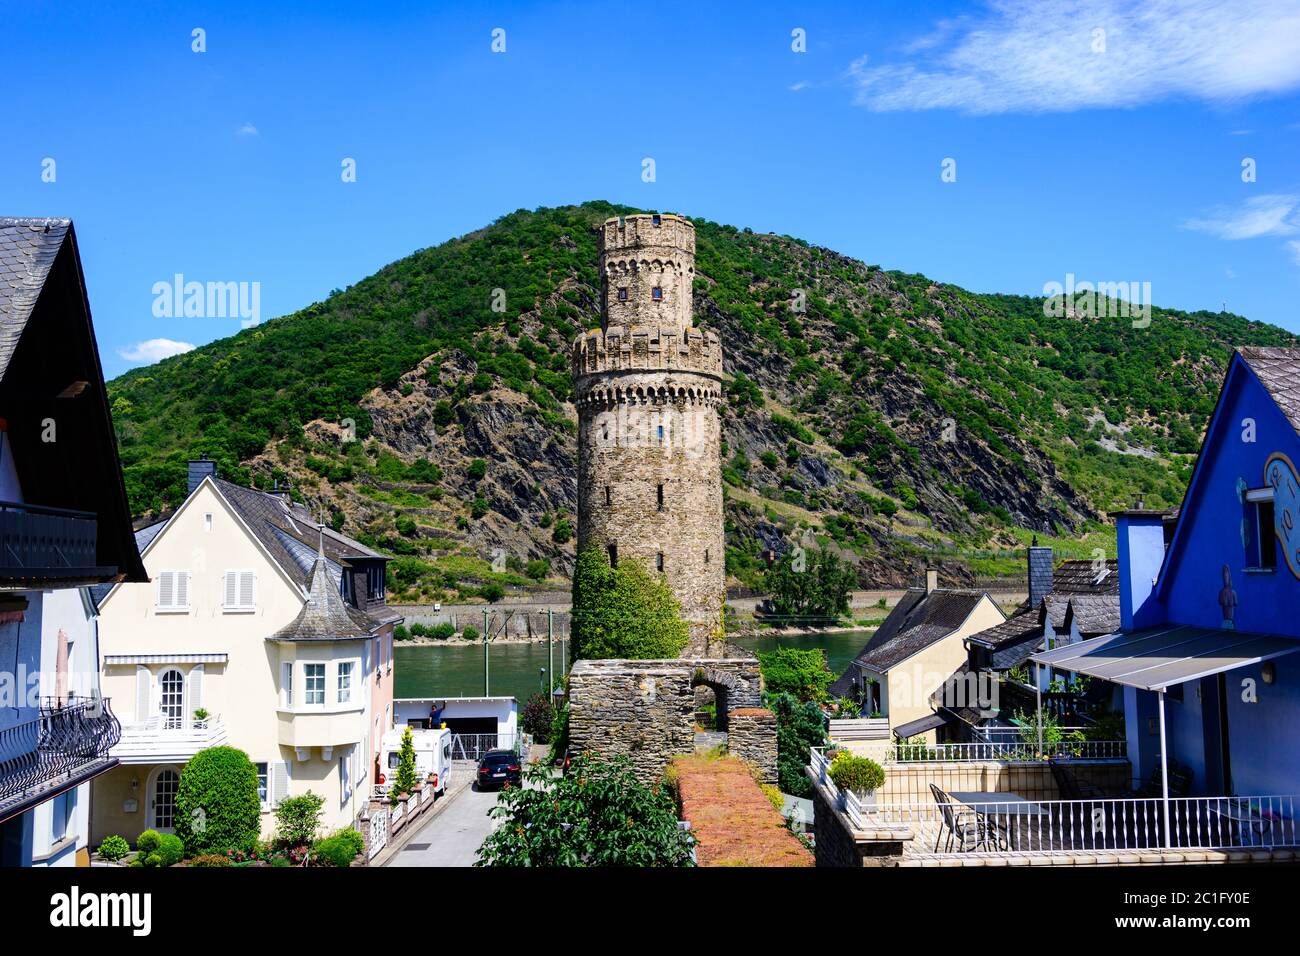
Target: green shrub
{"x": 470, "y": 633}
{"x": 623, "y": 611}
{"x": 539, "y": 716}
{"x": 148, "y": 841}
{"x": 168, "y": 852}
{"x": 339, "y": 849}
{"x": 114, "y": 848}
{"x": 217, "y": 806}
{"x": 297, "y": 819}
{"x": 442, "y": 631}
{"x": 401, "y": 633}
{"x": 210, "y": 859}
{"x": 791, "y": 670}
{"x": 860, "y": 774}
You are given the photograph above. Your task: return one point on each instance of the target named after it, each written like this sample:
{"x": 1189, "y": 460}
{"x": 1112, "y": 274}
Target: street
{"x": 453, "y": 837}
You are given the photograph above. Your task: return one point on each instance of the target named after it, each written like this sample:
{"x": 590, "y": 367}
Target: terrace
{"x": 163, "y": 739}
{"x": 67, "y": 743}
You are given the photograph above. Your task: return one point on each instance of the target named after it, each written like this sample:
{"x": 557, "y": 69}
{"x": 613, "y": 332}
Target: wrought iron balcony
{"x": 39, "y": 543}
{"x": 68, "y": 742}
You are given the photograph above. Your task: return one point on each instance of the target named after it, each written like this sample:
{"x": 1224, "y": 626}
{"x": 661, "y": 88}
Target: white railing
{"x": 1023, "y": 826}
{"x": 161, "y": 738}
{"x": 378, "y": 831}
{"x": 843, "y": 799}
{"x": 1013, "y": 750}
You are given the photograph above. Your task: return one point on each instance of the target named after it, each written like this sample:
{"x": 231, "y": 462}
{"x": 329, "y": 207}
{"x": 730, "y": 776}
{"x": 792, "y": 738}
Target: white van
{"x": 432, "y": 756}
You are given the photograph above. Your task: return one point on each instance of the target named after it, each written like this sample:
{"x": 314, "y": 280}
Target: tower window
{"x": 706, "y": 555}
{"x": 609, "y": 496}
{"x": 659, "y": 561}
{"x": 622, "y": 294}
{"x": 655, "y": 219}
{"x": 657, "y": 294}
{"x": 660, "y": 432}
{"x": 613, "y": 554}
{"x": 659, "y": 493}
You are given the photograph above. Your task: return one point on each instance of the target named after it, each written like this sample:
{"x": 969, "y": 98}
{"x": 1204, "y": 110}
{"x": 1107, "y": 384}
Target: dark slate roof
{"x": 1012, "y": 653}
{"x": 28, "y": 248}
{"x": 1013, "y": 629}
{"x": 917, "y": 621}
{"x": 1096, "y": 614}
{"x": 1278, "y": 370}
{"x": 1077, "y": 576}
{"x": 325, "y": 616}
{"x": 289, "y": 532}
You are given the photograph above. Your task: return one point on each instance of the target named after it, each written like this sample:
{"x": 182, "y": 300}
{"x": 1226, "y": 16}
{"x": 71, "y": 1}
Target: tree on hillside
{"x": 623, "y": 611}
{"x": 810, "y": 588}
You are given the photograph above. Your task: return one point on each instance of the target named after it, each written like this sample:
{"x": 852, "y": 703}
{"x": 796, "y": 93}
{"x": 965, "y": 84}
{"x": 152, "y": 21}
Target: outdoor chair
{"x": 968, "y": 829}
{"x": 1180, "y": 783}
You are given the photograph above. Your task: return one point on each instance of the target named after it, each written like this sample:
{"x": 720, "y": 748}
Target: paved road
{"x": 453, "y": 837}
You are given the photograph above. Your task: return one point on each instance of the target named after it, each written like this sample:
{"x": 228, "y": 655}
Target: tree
{"x": 405, "y": 779}
{"x": 810, "y": 588}
{"x": 623, "y": 612}
{"x": 802, "y": 673}
{"x": 217, "y": 806}
{"x": 297, "y": 819}
{"x": 599, "y": 813}
{"x": 539, "y": 716}
{"x": 799, "y": 726}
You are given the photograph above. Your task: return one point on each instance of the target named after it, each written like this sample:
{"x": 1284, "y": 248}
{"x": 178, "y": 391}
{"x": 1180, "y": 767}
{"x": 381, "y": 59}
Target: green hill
{"x": 894, "y": 418}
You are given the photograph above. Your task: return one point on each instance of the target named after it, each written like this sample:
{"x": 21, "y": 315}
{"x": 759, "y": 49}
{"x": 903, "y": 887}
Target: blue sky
{"x": 1118, "y": 160}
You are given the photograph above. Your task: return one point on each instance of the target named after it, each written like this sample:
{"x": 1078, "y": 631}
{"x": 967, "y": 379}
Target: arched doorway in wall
{"x": 714, "y": 698}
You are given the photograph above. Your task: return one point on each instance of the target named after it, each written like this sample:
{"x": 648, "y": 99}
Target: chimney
{"x": 1140, "y": 539}
{"x": 1039, "y": 559}
{"x": 931, "y": 580}
{"x": 198, "y": 470}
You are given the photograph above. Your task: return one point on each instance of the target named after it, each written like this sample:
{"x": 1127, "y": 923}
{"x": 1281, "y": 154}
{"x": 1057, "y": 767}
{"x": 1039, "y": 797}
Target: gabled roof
{"x": 917, "y": 621}
{"x": 1278, "y": 370}
{"x": 28, "y": 248}
{"x": 1093, "y": 613}
{"x": 1081, "y": 576}
{"x": 325, "y": 616}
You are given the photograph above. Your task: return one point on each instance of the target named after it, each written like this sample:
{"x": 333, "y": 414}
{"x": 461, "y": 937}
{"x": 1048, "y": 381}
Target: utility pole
{"x": 486, "y": 685}
{"x": 550, "y": 649}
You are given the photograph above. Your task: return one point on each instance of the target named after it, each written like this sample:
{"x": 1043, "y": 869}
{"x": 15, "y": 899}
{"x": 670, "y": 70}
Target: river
{"x": 456, "y": 670}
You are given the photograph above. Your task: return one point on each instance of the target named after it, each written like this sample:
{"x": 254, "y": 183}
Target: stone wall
{"x": 751, "y": 736}
{"x": 645, "y": 710}
{"x": 839, "y": 843}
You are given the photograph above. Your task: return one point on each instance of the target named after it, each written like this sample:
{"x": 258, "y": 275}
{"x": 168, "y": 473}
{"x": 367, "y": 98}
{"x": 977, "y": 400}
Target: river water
{"x": 456, "y": 670}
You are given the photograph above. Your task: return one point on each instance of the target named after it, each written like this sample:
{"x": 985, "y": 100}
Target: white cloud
{"x": 1293, "y": 246}
{"x": 1272, "y": 215}
{"x": 248, "y": 129}
{"x": 801, "y": 85}
{"x": 153, "y": 350}
{"x": 1029, "y": 56}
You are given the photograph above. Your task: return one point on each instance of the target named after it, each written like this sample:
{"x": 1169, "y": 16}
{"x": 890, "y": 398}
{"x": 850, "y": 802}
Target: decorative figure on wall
{"x": 1227, "y": 599}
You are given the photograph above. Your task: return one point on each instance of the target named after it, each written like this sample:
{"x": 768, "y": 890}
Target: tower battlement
{"x": 640, "y": 349}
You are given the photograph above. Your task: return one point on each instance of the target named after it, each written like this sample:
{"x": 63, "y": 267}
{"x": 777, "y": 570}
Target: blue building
{"x": 1210, "y": 621}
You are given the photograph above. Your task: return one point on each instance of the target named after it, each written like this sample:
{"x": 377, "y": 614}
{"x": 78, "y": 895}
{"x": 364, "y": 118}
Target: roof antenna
{"x": 320, "y": 531}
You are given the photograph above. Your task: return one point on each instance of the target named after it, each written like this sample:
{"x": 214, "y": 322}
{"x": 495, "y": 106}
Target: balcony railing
{"x": 1119, "y": 824}
{"x": 67, "y": 738}
{"x": 162, "y": 738}
{"x": 1009, "y": 750}
{"x": 36, "y": 540}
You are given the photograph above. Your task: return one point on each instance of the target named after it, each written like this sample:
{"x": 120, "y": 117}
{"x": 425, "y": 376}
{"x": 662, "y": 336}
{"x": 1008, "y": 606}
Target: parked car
{"x": 497, "y": 768}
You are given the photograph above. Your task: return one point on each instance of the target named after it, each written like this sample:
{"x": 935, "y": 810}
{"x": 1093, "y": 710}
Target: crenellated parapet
{"x": 639, "y": 349}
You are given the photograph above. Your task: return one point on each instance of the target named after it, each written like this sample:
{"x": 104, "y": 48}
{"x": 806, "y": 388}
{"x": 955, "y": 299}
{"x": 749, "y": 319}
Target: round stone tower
{"x": 648, "y": 387}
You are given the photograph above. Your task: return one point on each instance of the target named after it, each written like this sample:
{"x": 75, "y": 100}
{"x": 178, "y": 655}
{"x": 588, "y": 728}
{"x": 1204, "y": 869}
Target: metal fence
{"x": 474, "y": 746}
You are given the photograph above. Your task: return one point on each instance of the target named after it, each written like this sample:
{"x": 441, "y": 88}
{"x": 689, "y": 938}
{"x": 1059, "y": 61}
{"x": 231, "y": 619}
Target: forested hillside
{"x": 894, "y": 419}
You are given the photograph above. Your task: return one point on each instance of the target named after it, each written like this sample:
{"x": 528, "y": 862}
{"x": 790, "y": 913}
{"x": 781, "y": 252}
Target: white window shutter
{"x": 232, "y": 597}
{"x": 245, "y": 588}
{"x": 279, "y": 782}
{"x": 143, "y": 686}
{"x": 286, "y": 683}
{"x": 166, "y": 588}
{"x": 194, "y": 688}
{"x": 182, "y": 589}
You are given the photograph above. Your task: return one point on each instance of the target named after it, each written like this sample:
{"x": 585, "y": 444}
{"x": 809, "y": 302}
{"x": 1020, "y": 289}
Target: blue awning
{"x": 1158, "y": 657}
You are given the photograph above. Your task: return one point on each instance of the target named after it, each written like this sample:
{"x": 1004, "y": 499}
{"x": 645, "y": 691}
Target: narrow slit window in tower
{"x": 622, "y": 294}
{"x": 660, "y": 432}
{"x": 655, "y": 219}
{"x": 706, "y": 555}
{"x": 613, "y": 555}
{"x": 609, "y": 496}
{"x": 657, "y": 294}
{"x": 659, "y": 561}
{"x": 659, "y": 494}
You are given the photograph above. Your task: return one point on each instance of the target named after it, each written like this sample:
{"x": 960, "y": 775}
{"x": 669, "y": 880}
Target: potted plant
{"x": 201, "y": 716}
{"x": 862, "y": 775}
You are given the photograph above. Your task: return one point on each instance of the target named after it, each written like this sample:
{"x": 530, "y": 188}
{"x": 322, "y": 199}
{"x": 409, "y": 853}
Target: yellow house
{"x": 259, "y": 629}
{"x": 913, "y": 653}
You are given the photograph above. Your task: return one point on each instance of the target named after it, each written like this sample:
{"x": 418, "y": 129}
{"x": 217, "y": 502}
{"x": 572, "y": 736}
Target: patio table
{"x": 998, "y": 803}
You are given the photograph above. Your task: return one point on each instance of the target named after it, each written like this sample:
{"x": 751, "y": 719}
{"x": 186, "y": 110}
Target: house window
{"x": 286, "y": 682}
{"x": 239, "y": 594}
{"x": 657, "y": 294}
{"x": 263, "y": 783}
{"x": 313, "y": 683}
{"x": 163, "y": 799}
{"x": 375, "y": 582}
{"x": 345, "y": 682}
{"x": 171, "y": 700}
{"x": 659, "y": 494}
{"x": 613, "y": 555}
{"x": 207, "y": 521}
{"x": 63, "y": 808}
{"x": 173, "y": 591}
{"x": 1261, "y": 551}
{"x": 659, "y": 561}
{"x": 622, "y": 294}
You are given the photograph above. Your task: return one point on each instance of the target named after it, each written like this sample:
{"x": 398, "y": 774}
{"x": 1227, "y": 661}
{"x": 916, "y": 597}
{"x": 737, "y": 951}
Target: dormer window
{"x": 657, "y": 294}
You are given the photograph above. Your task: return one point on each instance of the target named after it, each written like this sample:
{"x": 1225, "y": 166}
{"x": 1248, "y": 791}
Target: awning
{"x": 215, "y": 658}
{"x": 919, "y": 726}
{"x": 1158, "y": 657}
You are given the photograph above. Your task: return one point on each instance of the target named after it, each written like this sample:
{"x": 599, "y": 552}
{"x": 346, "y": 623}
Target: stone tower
{"x": 648, "y": 387}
